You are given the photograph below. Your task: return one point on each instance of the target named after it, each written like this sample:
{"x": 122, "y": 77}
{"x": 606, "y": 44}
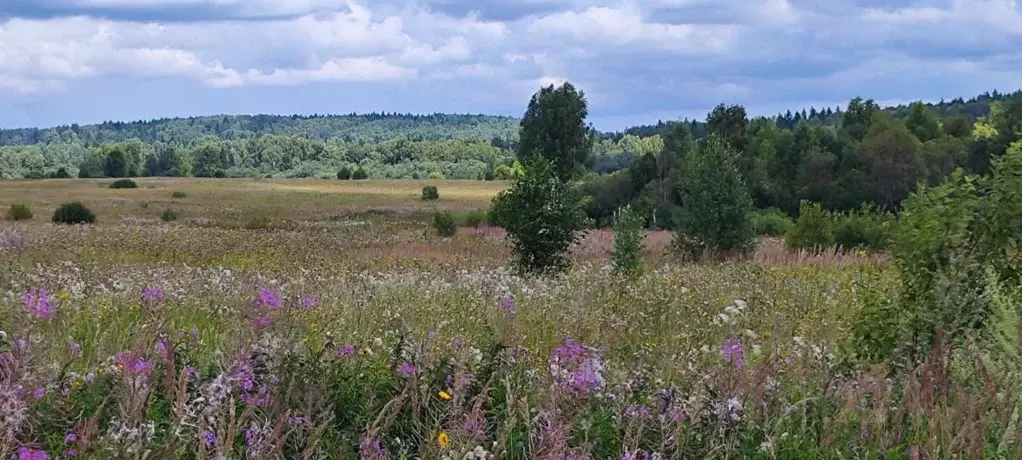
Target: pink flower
{"x": 734, "y": 353}
{"x": 406, "y": 369}
{"x": 38, "y": 303}
{"x": 28, "y": 453}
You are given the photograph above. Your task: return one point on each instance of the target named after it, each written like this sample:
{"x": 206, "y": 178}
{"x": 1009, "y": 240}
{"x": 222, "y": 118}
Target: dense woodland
{"x": 840, "y": 157}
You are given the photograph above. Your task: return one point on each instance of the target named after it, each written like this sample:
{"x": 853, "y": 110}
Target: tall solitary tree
{"x": 554, "y": 128}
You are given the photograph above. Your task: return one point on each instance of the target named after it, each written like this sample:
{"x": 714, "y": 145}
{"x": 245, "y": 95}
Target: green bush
{"x": 436, "y": 175}
{"x": 344, "y": 173}
{"x": 73, "y": 213}
{"x": 489, "y": 175}
{"x": 474, "y": 219}
{"x": 444, "y": 224}
{"x": 178, "y": 194}
{"x": 19, "y": 212}
{"x": 360, "y": 174}
{"x": 717, "y": 209}
{"x": 629, "y": 233}
{"x": 813, "y": 231}
{"x": 771, "y": 222}
{"x": 864, "y": 228}
{"x": 543, "y": 218}
{"x": 430, "y": 193}
{"x": 60, "y": 173}
{"x": 123, "y": 183}
{"x": 168, "y": 215}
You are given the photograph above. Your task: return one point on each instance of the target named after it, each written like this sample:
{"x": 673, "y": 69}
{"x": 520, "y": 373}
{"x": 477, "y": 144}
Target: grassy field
{"x": 323, "y": 319}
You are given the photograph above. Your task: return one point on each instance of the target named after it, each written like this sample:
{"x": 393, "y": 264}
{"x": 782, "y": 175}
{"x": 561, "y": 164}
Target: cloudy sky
{"x": 85, "y": 61}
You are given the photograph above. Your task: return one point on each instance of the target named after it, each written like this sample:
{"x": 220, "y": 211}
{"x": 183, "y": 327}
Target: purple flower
{"x": 38, "y": 303}
{"x": 577, "y": 368}
{"x": 20, "y": 345}
{"x": 39, "y": 393}
{"x": 132, "y": 364}
{"x": 406, "y": 369}
{"x": 637, "y": 455}
{"x": 370, "y": 448}
{"x": 161, "y": 349}
{"x": 638, "y": 412}
{"x": 297, "y": 420}
{"x": 457, "y": 343}
{"x": 152, "y": 296}
{"x": 734, "y": 353}
{"x": 28, "y": 453}
{"x": 70, "y": 437}
{"x": 208, "y": 437}
{"x": 268, "y": 299}
{"x": 90, "y": 378}
{"x": 507, "y": 304}
{"x": 69, "y": 453}
{"x": 74, "y": 349}
{"x": 345, "y": 351}
{"x": 311, "y": 302}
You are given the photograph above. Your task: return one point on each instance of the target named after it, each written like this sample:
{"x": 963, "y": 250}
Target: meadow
{"x": 324, "y": 319}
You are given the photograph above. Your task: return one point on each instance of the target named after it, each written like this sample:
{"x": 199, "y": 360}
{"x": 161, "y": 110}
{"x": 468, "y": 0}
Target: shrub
{"x": 543, "y": 218}
{"x": 168, "y": 215}
{"x": 864, "y": 228}
{"x": 430, "y": 193}
{"x": 436, "y": 175}
{"x": 258, "y": 223}
{"x": 344, "y": 173}
{"x": 771, "y": 222}
{"x": 123, "y": 183}
{"x": 73, "y": 213}
{"x": 717, "y": 208}
{"x": 415, "y": 175}
{"x": 178, "y": 194}
{"x": 359, "y": 174}
{"x": 489, "y": 175}
{"x": 19, "y": 212}
{"x": 61, "y": 173}
{"x": 474, "y": 219}
{"x": 813, "y": 231}
{"x": 443, "y": 223}
{"x": 628, "y": 242}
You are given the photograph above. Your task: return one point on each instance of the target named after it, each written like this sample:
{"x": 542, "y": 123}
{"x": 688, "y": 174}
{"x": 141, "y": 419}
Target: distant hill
{"x": 351, "y": 128}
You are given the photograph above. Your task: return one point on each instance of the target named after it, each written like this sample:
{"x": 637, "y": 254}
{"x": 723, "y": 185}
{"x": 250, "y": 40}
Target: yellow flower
{"x": 445, "y": 395}
{"x": 443, "y": 440}
{"x": 64, "y": 295}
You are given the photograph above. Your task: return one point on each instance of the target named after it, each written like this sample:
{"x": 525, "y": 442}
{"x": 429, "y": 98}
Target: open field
{"x": 322, "y": 319}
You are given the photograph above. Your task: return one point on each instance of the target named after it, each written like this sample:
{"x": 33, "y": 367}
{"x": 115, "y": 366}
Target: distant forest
{"x": 796, "y": 154}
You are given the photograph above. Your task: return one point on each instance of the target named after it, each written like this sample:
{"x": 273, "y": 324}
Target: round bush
{"x": 73, "y": 213}
{"x": 178, "y": 194}
{"x": 168, "y": 215}
{"x": 360, "y": 174}
{"x": 19, "y": 212}
{"x": 771, "y": 222}
{"x": 474, "y": 219}
{"x": 430, "y": 193}
{"x": 344, "y": 173}
{"x": 444, "y": 224}
{"x": 123, "y": 183}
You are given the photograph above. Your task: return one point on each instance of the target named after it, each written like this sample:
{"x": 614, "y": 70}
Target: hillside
{"x": 363, "y": 128}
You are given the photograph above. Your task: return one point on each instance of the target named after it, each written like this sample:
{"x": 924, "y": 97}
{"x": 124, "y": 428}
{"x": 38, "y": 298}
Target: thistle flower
{"x": 734, "y": 353}
{"x": 268, "y": 299}
{"x": 311, "y": 302}
{"x": 28, "y": 453}
{"x": 39, "y": 304}
{"x": 406, "y": 369}
{"x": 208, "y": 437}
{"x": 152, "y": 296}
{"x": 507, "y": 304}
{"x": 346, "y": 350}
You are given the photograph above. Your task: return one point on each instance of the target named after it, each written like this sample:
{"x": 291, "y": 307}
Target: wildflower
{"x": 74, "y": 349}
{"x": 268, "y": 299}
{"x": 20, "y": 345}
{"x": 406, "y": 369}
{"x": 637, "y": 412}
{"x": 69, "y": 453}
{"x": 346, "y": 350}
{"x": 90, "y": 379}
{"x": 507, "y": 304}
{"x": 161, "y": 349}
{"x": 131, "y": 364}
{"x": 444, "y": 395}
{"x": 370, "y": 448}
{"x": 28, "y": 453}
{"x": 577, "y": 368}
{"x": 70, "y": 437}
{"x": 208, "y": 437}
{"x": 152, "y": 296}
{"x": 310, "y": 302}
{"x": 39, "y": 393}
{"x": 443, "y": 440}
{"x": 38, "y": 303}
{"x": 734, "y": 353}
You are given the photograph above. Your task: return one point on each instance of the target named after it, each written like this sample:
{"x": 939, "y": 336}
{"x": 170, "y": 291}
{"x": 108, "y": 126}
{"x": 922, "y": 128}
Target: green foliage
{"x": 168, "y": 215}
{"x": 922, "y": 123}
{"x": 444, "y": 224}
{"x": 814, "y": 230}
{"x": 344, "y": 173}
{"x": 771, "y": 222}
{"x": 629, "y": 233}
{"x": 554, "y": 128}
{"x": 489, "y": 175}
{"x": 123, "y": 183}
{"x": 19, "y": 212}
{"x": 543, "y": 217}
{"x": 866, "y": 227}
{"x": 60, "y": 173}
{"x": 73, "y": 213}
{"x": 430, "y": 193}
{"x": 360, "y": 174}
{"x": 436, "y": 175}
{"x": 475, "y": 218}
{"x": 716, "y": 209}
{"x": 178, "y": 194}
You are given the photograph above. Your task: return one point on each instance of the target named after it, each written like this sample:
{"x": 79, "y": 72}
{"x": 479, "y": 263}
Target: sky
{"x": 638, "y": 61}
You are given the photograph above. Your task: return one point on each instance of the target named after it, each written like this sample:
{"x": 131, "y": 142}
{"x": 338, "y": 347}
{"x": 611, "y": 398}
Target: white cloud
{"x": 626, "y": 26}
